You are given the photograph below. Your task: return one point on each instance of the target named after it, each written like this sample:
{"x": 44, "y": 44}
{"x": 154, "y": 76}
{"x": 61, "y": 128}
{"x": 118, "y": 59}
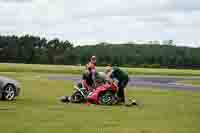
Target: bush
{"x": 155, "y": 66}
{"x": 144, "y": 65}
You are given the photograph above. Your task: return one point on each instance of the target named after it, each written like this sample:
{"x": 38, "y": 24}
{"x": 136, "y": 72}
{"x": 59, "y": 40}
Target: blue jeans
{"x": 122, "y": 84}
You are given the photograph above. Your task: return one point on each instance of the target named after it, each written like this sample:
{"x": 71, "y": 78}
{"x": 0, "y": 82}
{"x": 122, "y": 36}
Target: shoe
{"x": 134, "y": 102}
{"x": 130, "y": 102}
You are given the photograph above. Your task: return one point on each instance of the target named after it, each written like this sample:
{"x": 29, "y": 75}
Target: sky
{"x": 92, "y": 21}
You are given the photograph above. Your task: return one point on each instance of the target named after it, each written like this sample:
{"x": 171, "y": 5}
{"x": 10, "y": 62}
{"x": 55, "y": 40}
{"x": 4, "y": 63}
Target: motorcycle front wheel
{"x": 107, "y": 99}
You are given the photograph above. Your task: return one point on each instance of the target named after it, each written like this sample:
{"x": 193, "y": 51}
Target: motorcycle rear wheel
{"x": 77, "y": 97}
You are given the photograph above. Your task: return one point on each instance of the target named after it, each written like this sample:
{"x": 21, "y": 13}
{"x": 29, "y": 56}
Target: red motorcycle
{"x": 104, "y": 94}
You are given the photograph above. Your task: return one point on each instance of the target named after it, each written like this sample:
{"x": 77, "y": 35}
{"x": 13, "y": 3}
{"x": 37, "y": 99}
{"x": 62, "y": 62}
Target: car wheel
{"x": 9, "y": 92}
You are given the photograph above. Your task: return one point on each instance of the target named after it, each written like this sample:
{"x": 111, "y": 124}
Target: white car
{"x": 9, "y": 88}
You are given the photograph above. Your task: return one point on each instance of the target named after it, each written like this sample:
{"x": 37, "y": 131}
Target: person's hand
{"x": 90, "y": 89}
{"x": 86, "y": 71}
{"x": 110, "y": 80}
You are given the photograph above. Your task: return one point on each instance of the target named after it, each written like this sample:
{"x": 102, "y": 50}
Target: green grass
{"x": 78, "y": 70}
{"x": 38, "y": 110}
{"x": 190, "y": 82}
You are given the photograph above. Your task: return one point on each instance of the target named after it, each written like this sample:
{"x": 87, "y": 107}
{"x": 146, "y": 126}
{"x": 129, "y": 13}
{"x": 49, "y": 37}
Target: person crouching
{"x": 115, "y": 73}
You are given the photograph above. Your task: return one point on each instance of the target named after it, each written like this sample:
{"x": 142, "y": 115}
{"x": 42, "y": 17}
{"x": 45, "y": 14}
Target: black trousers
{"x": 122, "y": 84}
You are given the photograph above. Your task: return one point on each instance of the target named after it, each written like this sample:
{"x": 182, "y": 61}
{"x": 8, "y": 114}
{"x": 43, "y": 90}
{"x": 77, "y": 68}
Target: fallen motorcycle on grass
{"x": 105, "y": 94}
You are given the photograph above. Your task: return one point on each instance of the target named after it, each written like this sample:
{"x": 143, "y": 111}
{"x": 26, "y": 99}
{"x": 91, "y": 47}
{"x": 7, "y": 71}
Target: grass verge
{"x": 38, "y": 110}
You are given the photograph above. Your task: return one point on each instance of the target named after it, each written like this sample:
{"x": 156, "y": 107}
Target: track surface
{"x": 140, "y": 81}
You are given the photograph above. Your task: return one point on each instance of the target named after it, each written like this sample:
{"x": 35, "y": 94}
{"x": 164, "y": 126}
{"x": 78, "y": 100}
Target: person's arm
{"x": 86, "y": 86}
{"x": 84, "y": 78}
{"x": 89, "y": 88}
{"x": 110, "y": 76}
{"x": 87, "y": 67}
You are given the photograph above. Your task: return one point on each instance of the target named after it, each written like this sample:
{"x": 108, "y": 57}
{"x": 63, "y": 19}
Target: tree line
{"x": 35, "y": 50}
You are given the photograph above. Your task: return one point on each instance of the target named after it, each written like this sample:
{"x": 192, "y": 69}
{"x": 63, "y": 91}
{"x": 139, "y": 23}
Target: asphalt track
{"x": 161, "y": 82}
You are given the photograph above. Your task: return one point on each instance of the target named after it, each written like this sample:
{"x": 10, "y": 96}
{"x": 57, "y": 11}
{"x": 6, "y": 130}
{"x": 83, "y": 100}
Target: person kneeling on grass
{"x": 115, "y": 73}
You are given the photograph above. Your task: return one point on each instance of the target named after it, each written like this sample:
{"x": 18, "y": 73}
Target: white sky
{"x": 91, "y": 21}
